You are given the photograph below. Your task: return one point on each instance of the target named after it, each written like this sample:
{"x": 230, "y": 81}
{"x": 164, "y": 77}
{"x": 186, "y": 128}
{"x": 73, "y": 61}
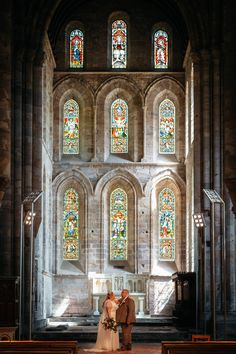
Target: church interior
{"x": 118, "y": 167}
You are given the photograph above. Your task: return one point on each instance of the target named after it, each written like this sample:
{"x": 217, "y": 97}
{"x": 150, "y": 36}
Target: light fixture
{"x": 29, "y": 218}
{"x": 199, "y": 220}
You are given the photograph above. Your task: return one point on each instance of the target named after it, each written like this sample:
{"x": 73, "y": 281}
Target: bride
{"x": 107, "y": 339}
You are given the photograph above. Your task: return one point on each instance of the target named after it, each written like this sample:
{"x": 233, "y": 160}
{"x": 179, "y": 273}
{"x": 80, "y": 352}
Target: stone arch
{"x": 129, "y": 265}
{"x": 106, "y": 94}
{"x": 82, "y": 185}
{"x": 119, "y": 173}
{"x": 167, "y": 179}
{"x": 79, "y": 91}
{"x": 155, "y": 94}
{"x": 76, "y": 174}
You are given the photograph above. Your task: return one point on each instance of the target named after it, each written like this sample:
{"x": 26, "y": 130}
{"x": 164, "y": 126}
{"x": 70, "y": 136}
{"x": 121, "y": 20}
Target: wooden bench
{"x": 20, "y": 351}
{"x": 37, "y": 347}
{"x": 202, "y": 347}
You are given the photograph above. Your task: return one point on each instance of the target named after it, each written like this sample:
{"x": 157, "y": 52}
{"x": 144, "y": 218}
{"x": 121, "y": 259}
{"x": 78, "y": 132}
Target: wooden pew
{"x": 204, "y": 347}
{"x": 20, "y": 351}
{"x": 37, "y": 347}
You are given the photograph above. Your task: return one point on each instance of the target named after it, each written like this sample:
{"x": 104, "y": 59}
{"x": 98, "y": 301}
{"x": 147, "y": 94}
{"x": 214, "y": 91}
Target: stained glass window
{"x": 167, "y": 225}
{"x": 119, "y": 126}
{"x": 71, "y": 127}
{"x": 167, "y": 127}
{"x": 71, "y": 225}
{"x": 119, "y": 44}
{"x": 76, "y": 49}
{"x": 160, "y": 50}
{"x": 118, "y": 225}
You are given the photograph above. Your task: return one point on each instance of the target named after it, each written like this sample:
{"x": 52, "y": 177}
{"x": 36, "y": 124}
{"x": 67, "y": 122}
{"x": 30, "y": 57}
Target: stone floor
{"x": 138, "y": 348}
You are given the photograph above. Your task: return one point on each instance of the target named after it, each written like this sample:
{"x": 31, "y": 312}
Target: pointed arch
{"x": 118, "y": 225}
{"x": 119, "y": 44}
{"x": 167, "y": 127}
{"x": 119, "y": 126}
{"x": 121, "y": 174}
{"x": 71, "y": 127}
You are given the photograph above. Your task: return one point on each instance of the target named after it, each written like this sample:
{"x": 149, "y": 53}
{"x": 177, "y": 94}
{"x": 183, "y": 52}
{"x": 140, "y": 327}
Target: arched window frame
{"x": 120, "y": 212}
{"x": 74, "y": 26}
{"x": 171, "y": 125}
{"x": 167, "y": 216}
{"x": 166, "y": 28}
{"x": 115, "y": 128}
{"x": 71, "y": 225}
{"x": 118, "y": 15}
{"x": 74, "y": 124}
{"x": 161, "y": 49}
{"x": 119, "y": 44}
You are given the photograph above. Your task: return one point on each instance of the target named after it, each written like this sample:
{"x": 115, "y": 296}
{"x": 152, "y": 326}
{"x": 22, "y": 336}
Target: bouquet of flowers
{"x": 110, "y": 323}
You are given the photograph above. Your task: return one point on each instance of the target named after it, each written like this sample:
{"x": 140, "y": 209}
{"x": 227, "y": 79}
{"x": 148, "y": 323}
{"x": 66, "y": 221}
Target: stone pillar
{"x": 28, "y": 122}
{"x": 141, "y": 302}
{"x": 96, "y": 312}
{"x": 94, "y": 158}
{"x": 37, "y": 121}
{"x": 144, "y": 134}
{"x": 6, "y": 218}
{"x": 18, "y": 153}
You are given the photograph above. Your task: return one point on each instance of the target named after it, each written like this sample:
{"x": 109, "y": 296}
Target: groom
{"x": 125, "y": 315}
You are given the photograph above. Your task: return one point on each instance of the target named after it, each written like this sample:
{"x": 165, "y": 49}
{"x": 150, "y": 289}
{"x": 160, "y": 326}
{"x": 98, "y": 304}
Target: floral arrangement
{"x": 110, "y": 323}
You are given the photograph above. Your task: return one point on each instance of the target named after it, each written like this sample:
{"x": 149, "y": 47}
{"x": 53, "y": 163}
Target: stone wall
{"x": 95, "y": 173}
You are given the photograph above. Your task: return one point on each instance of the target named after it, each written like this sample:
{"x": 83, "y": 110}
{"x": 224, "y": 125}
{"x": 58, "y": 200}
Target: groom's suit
{"x": 125, "y": 315}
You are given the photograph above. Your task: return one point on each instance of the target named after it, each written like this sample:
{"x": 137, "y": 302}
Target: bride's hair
{"x": 108, "y": 296}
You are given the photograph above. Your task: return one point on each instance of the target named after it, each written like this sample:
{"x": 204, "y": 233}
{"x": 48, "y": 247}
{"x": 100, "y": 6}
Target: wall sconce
{"x": 199, "y": 220}
{"x": 29, "y": 218}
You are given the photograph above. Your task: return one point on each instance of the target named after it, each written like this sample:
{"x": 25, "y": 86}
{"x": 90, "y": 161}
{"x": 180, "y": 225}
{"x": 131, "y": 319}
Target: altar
{"x": 136, "y": 284}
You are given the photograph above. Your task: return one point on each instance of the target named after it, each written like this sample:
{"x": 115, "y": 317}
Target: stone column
{"x": 141, "y": 302}
{"x": 18, "y": 153}
{"x": 96, "y": 312}
{"x": 94, "y": 158}
{"x": 6, "y": 217}
{"x": 144, "y": 134}
{"x": 28, "y": 122}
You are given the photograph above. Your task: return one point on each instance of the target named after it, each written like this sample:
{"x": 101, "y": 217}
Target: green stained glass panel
{"x": 71, "y": 127}
{"x": 118, "y": 225}
{"x": 167, "y": 225}
{"x": 71, "y": 225}
{"x": 119, "y": 44}
{"x": 167, "y": 127}
{"x": 119, "y": 127}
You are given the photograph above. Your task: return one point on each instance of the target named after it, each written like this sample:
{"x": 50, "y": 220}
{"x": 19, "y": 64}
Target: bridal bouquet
{"x": 110, "y": 323}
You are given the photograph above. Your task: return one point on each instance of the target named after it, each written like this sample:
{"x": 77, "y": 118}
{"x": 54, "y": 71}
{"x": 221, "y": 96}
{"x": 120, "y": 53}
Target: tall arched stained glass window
{"x": 119, "y": 44}
{"x": 160, "y": 50}
{"x": 167, "y": 127}
{"x": 167, "y": 225}
{"x": 71, "y": 127}
{"x": 119, "y": 126}
{"x": 118, "y": 225}
{"x": 76, "y": 49}
{"x": 71, "y": 225}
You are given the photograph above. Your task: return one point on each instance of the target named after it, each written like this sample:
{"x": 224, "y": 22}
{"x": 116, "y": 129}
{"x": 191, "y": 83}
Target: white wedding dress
{"x": 107, "y": 340}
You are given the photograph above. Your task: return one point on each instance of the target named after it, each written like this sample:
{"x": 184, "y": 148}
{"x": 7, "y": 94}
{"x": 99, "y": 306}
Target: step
{"x": 88, "y": 333}
{"x": 93, "y": 320}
